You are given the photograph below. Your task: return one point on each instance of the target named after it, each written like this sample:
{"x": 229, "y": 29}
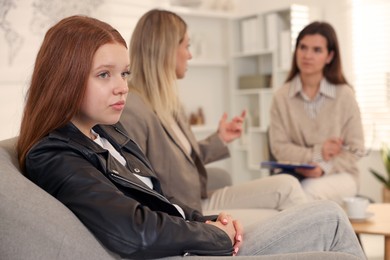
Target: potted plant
{"x": 385, "y": 180}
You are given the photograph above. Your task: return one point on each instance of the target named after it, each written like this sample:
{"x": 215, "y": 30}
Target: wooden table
{"x": 379, "y": 224}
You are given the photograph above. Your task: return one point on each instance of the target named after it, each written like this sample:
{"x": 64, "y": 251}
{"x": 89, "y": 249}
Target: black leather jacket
{"x": 129, "y": 218}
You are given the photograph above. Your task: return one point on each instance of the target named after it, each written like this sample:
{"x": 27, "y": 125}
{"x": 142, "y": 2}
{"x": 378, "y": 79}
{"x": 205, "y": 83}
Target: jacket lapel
{"x": 168, "y": 129}
{"x": 184, "y": 126}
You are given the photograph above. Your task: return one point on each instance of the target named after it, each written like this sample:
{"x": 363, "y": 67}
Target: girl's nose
{"x": 122, "y": 88}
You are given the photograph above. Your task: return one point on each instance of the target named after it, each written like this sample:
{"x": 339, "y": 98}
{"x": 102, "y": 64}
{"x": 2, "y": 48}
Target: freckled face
{"x": 312, "y": 55}
{"x": 182, "y": 57}
{"x": 106, "y": 90}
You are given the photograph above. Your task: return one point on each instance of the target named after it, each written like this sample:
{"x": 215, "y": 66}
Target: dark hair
{"x": 60, "y": 76}
{"x": 332, "y": 71}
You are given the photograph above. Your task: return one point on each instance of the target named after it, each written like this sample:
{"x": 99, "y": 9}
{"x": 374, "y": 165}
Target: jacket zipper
{"x": 228, "y": 252}
{"x": 140, "y": 187}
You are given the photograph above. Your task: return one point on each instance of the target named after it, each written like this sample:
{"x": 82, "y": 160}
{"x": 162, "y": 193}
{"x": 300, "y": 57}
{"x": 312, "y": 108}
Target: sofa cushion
{"x": 33, "y": 224}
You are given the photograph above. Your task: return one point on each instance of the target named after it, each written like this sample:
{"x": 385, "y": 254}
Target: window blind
{"x": 371, "y": 62}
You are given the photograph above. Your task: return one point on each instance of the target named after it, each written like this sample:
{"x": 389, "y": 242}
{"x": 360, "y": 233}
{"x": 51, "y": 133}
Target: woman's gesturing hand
{"x": 228, "y": 131}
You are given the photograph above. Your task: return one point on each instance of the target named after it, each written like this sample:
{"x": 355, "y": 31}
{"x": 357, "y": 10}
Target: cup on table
{"x": 356, "y": 207}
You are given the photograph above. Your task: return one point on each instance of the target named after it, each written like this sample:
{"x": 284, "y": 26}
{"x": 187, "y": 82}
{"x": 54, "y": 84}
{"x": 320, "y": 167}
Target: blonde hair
{"x": 153, "y": 50}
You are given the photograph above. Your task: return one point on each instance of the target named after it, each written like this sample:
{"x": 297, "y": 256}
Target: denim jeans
{"x": 313, "y": 226}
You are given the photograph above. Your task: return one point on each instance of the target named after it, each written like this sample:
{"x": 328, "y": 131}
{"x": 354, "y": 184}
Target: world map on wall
{"x": 23, "y": 21}
{"x": 13, "y": 40}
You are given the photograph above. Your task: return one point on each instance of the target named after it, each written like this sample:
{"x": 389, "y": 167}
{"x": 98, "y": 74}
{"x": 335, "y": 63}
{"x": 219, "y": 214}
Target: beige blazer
{"x": 183, "y": 177}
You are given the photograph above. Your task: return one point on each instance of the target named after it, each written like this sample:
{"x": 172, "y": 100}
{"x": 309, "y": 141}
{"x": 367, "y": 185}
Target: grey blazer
{"x": 183, "y": 177}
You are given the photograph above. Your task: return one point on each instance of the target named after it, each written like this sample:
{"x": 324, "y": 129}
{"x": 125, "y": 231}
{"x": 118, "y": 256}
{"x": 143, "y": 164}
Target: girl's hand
{"x": 232, "y": 228}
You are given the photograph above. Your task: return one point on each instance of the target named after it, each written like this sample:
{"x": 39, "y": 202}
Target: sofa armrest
{"x": 217, "y": 178}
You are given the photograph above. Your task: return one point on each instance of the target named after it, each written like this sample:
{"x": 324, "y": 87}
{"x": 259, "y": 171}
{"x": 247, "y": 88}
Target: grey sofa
{"x": 34, "y": 225}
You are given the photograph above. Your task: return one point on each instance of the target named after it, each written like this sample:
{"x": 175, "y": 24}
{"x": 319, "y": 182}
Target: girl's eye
{"x": 125, "y": 74}
{"x": 318, "y": 50}
{"x": 104, "y": 75}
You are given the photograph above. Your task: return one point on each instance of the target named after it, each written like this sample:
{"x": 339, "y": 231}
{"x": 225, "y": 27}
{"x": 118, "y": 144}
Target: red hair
{"x": 60, "y": 76}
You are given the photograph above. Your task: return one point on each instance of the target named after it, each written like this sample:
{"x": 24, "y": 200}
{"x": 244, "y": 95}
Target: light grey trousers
{"x": 275, "y": 192}
{"x": 257, "y": 200}
{"x": 333, "y": 187}
{"x": 313, "y": 226}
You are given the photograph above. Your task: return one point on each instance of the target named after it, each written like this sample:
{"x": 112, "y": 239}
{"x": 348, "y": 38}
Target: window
{"x": 371, "y": 59}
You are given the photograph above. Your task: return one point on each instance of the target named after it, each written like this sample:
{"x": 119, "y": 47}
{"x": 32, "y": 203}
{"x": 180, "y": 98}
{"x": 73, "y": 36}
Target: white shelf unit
{"x": 257, "y": 103}
{"x": 262, "y": 45}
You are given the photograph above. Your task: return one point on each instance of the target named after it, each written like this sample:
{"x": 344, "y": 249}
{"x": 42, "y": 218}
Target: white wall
{"x": 368, "y": 185}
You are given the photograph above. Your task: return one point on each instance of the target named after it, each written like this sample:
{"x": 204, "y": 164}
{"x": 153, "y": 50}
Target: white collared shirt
{"x": 312, "y": 107}
{"x": 105, "y": 144}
